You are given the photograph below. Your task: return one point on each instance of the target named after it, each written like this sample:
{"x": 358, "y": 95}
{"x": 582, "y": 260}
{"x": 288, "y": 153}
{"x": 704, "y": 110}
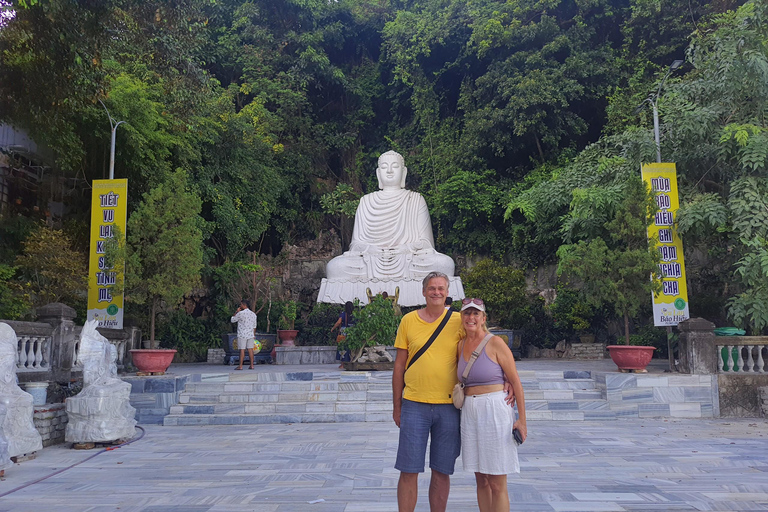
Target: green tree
{"x": 620, "y": 270}
{"x": 54, "y": 271}
{"x": 14, "y": 302}
{"x": 502, "y": 288}
{"x": 164, "y": 246}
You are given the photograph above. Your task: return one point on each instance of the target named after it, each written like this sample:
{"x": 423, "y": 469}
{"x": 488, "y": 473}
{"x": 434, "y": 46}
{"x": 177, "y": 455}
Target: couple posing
{"x": 422, "y": 385}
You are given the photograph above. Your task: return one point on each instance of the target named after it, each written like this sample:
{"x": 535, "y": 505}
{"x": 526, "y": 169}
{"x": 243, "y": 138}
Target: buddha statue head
{"x": 391, "y": 171}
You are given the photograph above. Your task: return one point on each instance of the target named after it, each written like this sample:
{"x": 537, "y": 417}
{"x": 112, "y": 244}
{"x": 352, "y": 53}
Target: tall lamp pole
{"x": 653, "y": 99}
{"x": 114, "y": 124}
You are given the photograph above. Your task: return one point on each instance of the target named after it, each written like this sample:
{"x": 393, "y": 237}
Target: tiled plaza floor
{"x": 622, "y": 465}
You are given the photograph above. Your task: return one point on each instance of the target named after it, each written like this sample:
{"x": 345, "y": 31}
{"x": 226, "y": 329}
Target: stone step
{"x": 283, "y": 408}
{"x": 255, "y": 419}
{"x": 559, "y": 384}
{"x": 337, "y": 397}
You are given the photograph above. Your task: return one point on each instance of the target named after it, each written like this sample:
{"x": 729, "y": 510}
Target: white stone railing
{"x": 122, "y": 346}
{"x": 34, "y": 353}
{"x": 742, "y": 354}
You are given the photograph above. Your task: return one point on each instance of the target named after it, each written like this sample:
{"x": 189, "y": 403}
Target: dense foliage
{"x": 375, "y": 324}
{"x": 515, "y": 119}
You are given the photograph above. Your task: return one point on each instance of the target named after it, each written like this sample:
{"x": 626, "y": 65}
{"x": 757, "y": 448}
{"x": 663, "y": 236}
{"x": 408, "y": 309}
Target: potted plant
{"x": 615, "y": 265}
{"x": 286, "y": 332}
{"x": 375, "y": 325}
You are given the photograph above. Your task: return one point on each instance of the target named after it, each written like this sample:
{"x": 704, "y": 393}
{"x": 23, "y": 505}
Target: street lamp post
{"x": 653, "y": 99}
{"x": 114, "y": 126}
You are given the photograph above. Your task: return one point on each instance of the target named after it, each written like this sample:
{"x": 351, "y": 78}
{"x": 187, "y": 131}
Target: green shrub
{"x": 571, "y": 313}
{"x": 541, "y": 330}
{"x": 503, "y": 290}
{"x": 375, "y": 324}
{"x": 14, "y": 301}
{"x": 317, "y": 330}
{"x": 650, "y": 336}
{"x": 191, "y": 336}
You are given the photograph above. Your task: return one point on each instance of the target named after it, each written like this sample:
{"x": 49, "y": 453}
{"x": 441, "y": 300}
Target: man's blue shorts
{"x": 419, "y": 421}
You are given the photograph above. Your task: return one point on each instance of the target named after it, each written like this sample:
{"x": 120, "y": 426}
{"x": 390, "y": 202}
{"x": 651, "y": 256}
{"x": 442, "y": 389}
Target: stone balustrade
{"x": 48, "y": 350}
{"x": 747, "y": 354}
{"x": 34, "y": 353}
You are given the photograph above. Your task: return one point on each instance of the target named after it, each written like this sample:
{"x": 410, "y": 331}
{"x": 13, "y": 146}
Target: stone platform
{"x": 558, "y": 390}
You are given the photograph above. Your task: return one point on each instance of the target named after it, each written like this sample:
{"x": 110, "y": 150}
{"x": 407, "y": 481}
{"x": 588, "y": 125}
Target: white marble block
{"x": 5, "y": 456}
{"x": 101, "y": 412}
{"x": 18, "y": 425}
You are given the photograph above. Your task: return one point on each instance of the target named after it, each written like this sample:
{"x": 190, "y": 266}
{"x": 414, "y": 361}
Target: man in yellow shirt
{"x": 422, "y": 397}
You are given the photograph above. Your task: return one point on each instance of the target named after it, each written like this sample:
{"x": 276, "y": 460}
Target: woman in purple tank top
{"x": 488, "y": 446}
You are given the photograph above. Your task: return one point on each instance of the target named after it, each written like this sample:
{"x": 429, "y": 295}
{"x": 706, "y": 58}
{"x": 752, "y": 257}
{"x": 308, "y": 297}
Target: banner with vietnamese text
{"x": 108, "y": 211}
{"x": 670, "y": 307}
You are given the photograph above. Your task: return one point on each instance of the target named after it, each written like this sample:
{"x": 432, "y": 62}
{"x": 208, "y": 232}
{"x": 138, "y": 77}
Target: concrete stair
{"x": 338, "y": 397}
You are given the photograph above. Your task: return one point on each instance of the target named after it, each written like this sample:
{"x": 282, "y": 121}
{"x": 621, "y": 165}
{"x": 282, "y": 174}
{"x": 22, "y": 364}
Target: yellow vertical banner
{"x": 108, "y": 212}
{"x": 670, "y": 307}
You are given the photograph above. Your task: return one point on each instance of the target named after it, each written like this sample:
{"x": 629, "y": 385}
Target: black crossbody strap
{"x": 431, "y": 339}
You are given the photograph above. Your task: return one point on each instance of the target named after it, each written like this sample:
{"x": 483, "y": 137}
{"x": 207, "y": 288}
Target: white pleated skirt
{"x": 487, "y": 444}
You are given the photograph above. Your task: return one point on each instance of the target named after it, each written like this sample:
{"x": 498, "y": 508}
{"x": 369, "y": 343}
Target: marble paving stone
{"x": 577, "y": 374}
{"x": 697, "y": 394}
{"x": 685, "y": 410}
{"x": 588, "y": 395}
{"x": 637, "y": 395}
{"x": 563, "y": 406}
{"x": 592, "y": 405}
{"x": 620, "y": 380}
{"x": 653, "y": 382}
{"x": 535, "y": 405}
{"x": 669, "y": 394}
{"x": 352, "y": 396}
{"x": 350, "y": 406}
{"x": 686, "y": 380}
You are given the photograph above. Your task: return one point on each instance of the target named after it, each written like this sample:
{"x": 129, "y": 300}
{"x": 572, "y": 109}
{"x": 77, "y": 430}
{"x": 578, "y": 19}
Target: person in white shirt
{"x": 246, "y": 325}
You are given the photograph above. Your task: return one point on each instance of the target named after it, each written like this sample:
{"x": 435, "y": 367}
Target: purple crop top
{"x": 483, "y": 373}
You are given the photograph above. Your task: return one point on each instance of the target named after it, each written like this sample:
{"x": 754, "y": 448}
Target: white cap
{"x": 473, "y": 304}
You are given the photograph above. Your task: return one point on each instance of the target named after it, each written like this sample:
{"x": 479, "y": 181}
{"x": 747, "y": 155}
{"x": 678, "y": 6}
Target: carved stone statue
{"x": 392, "y": 244}
{"x": 5, "y": 457}
{"x": 19, "y": 425}
{"x": 101, "y": 412}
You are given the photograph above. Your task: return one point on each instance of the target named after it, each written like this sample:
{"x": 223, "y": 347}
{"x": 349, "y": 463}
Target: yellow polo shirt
{"x": 433, "y": 375}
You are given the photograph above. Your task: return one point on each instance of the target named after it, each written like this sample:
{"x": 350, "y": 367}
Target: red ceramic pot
{"x": 152, "y": 360}
{"x": 287, "y": 337}
{"x": 631, "y": 357}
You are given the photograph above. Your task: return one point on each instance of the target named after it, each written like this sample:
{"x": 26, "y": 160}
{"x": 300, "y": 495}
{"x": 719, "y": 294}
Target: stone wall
{"x": 740, "y": 395}
{"x": 51, "y": 421}
{"x": 305, "y": 266}
{"x": 764, "y": 400}
{"x": 586, "y": 351}
{"x": 216, "y": 356}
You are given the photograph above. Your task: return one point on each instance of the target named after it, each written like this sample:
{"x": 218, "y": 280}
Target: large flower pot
{"x": 287, "y": 337}
{"x": 631, "y": 357}
{"x": 152, "y": 360}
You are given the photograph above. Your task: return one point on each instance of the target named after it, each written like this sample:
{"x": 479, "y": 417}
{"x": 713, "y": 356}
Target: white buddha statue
{"x": 392, "y": 244}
